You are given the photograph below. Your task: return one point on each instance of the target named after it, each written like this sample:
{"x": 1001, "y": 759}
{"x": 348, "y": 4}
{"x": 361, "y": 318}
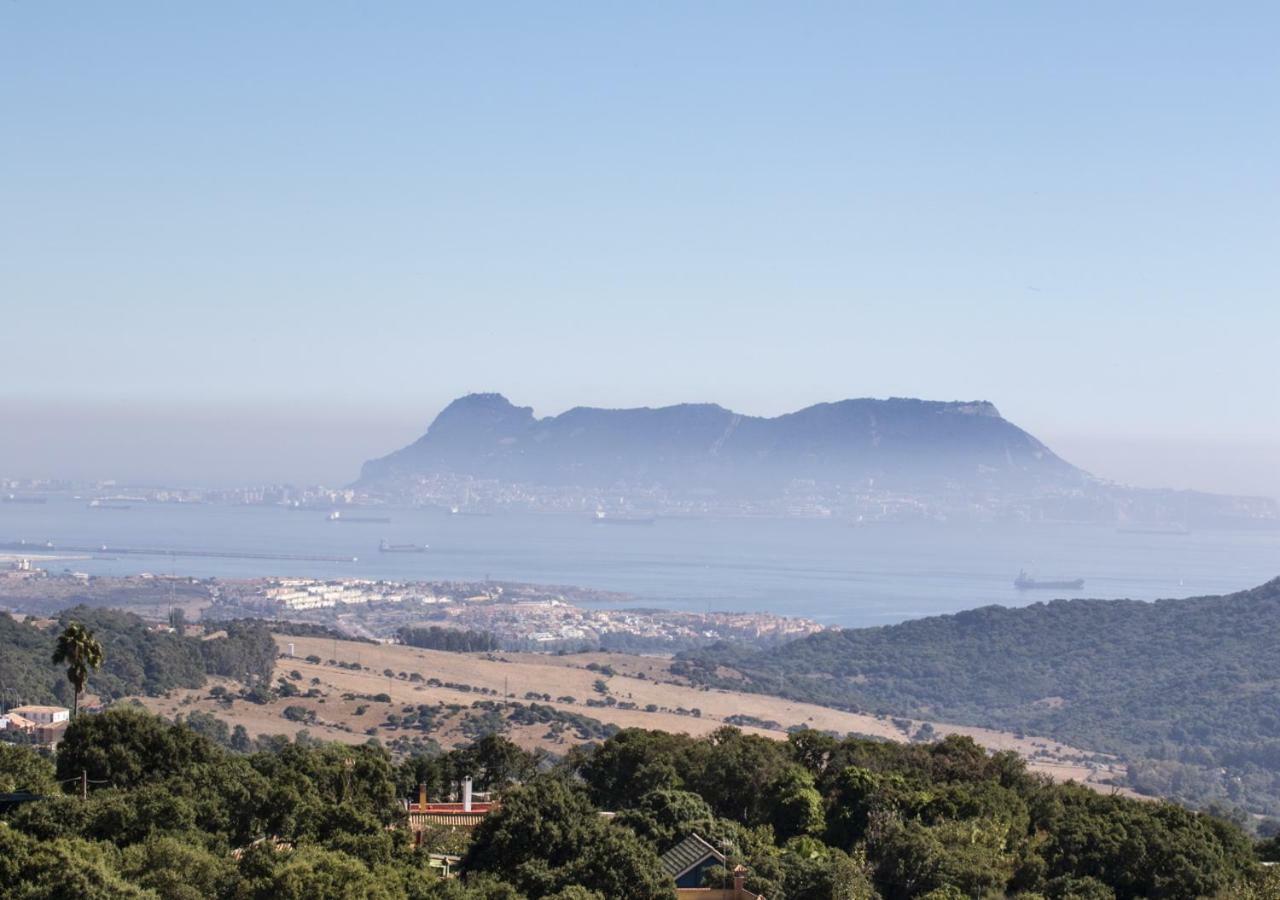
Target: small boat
{"x": 1025, "y": 582}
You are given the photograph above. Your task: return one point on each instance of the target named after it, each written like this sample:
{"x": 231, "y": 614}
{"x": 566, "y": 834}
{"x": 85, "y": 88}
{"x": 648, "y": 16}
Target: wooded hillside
{"x": 1183, "y": 688}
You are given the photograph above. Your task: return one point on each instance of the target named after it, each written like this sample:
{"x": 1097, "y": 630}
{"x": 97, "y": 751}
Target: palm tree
{"x": 80, "y": 650}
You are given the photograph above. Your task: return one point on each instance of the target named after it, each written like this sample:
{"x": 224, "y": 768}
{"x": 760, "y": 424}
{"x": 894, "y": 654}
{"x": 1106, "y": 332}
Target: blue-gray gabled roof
{"x": 687, "y": 854}
{"x": 16, "y": 799}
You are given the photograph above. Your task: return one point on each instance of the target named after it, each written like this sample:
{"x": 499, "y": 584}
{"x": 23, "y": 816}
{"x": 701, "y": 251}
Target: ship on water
{"x": 1025, "y": 582}
{"x": 1156, "y": 528}
{"x": 337, "y": 516}
{"x": 21, "y": 498}
{"x": 386, "y": 547}
{"x": 603, "y": 518}
{"x": 24, "y": 544}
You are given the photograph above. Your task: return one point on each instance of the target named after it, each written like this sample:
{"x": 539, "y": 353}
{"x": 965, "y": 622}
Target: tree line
{"x": 456, "y": 640}
{"x": 170, "y": 813}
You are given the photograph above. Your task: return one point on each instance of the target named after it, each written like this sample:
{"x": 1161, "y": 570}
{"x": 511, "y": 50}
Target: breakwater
{"x": 47, "y": 546}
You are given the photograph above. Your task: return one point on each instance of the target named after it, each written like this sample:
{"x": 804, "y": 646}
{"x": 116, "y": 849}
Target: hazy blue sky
{"x": 261, "y": 240}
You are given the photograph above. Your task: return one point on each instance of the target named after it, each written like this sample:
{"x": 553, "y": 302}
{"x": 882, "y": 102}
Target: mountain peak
{"x": 489, "y": 410}
{"x": 480, "y": 401}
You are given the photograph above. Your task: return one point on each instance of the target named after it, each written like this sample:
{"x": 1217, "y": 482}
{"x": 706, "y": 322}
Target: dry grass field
{"x": 508, "y": 677}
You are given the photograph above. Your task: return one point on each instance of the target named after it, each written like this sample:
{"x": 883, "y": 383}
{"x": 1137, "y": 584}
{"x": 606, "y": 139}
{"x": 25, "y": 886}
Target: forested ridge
{"x": 1185, "y": 689}
{"x": 138, "y": 659}
{"x": 172, "y": 814}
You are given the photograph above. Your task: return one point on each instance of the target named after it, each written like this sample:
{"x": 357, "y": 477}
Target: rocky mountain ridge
{"x": 898, "y": 459}
{"x": 900, "y": 444}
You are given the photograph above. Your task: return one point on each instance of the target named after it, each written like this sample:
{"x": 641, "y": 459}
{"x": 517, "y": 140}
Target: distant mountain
{"x": 868, "y": 460}
{"x": 886, "y": 444}
{"x": 1185, "y": 690}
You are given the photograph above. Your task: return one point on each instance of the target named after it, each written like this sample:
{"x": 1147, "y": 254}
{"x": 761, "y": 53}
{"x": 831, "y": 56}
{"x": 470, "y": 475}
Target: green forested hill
{"x": 1183, "y": 688}
{"x": 136, "y": 660}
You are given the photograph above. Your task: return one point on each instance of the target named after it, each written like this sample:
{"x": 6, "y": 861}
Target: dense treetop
{"x": 173, "y": 814}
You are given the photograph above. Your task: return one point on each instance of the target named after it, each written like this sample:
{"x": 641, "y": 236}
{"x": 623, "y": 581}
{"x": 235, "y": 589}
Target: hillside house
{"x": 43, "y": 715}
{"x": 688, "y": 860}
{"x": 465, "y": 814}
{"x": 687, "y": 863}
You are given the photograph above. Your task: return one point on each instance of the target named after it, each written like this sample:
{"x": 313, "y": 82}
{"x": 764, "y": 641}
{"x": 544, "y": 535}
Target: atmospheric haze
{"x": 247, "y": 243}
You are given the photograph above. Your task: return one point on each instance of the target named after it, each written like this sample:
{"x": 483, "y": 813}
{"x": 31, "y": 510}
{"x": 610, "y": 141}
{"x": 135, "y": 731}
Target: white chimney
{"x": 466, "y": 794}
{"x": 291, "y": 648}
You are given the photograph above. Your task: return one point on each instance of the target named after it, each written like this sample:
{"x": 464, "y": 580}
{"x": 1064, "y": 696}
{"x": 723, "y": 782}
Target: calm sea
{"x": 825, "y": 570}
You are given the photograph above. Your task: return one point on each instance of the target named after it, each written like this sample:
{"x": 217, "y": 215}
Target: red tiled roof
{"x": 452, "y": 820}
{"x": 455, "y": 808}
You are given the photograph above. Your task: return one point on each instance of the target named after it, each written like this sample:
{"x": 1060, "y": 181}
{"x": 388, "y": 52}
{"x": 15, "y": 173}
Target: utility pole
{"x": 84, "y": 784}
{"x": 348, "y": 764}
{"x": 173, "y": 578}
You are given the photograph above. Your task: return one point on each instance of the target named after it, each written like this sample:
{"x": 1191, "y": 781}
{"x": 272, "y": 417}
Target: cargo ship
{"x": 27, "y": 545}
{"x": 386, "y": 547}
{"x": 1025, "y": 582}
{"x": 1154, "y": 528}
{"x": 337, "y": 516}
{"x": 603, "y": 518}
{"x": 459, "y": 511}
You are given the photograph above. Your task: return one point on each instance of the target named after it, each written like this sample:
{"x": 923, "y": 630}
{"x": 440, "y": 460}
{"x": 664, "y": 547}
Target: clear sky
{"x": 245, "y": 240}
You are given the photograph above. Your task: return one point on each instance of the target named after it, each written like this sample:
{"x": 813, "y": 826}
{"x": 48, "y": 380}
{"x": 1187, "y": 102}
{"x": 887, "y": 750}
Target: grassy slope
{"x": 518, "y": 673}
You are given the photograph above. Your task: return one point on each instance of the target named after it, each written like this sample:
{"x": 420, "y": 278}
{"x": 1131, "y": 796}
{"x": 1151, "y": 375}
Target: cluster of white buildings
{"x": 527, "y": 614}
{"x": 549, "y": 621}
{"x": 307, "y": 593}
{"x": 45, "y": 723}
{"x": 563, "y": 633}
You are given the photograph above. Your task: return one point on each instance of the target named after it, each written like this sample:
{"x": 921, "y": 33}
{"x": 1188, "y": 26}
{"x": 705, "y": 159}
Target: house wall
{"x": 693, "y": 878}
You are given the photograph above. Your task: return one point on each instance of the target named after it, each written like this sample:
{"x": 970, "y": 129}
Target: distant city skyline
{"x": 244, "y": 242}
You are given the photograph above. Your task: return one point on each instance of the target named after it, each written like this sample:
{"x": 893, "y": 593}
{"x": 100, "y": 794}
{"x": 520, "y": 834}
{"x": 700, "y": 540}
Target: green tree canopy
{"x": 548, "y": 837}
{"x": 81, "y": 653}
